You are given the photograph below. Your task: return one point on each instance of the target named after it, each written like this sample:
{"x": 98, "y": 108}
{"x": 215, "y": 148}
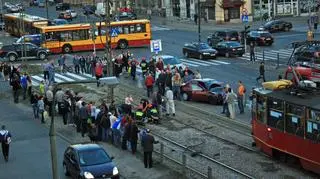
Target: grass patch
{"x": 31, "y": 69}
{"x": 77, "y": 88}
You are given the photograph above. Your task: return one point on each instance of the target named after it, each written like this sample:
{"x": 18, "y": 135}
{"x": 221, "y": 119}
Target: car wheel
{"x": 212, "y": 100}
{"x": 66, "y": 48}
{"x": 12, "y": 57}
{"x": 122, "y": 44}
{"x": 185, "y": 96}
{"x": 65, "y": 170}
{"x": 42, "y": 55}
{"x": 286, "y": 29}
{"x": 201, "y": 57}
{"x": 227, "y": 55}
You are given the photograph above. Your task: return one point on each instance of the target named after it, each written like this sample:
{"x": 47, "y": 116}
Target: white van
{"x": 101, "y": 9}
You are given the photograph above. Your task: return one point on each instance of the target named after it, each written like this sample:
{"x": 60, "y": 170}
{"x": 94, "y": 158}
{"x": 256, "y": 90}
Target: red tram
{"x": 286, "y": 122}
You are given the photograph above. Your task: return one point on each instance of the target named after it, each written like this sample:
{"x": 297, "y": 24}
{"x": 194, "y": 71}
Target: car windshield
{"x": 93, "y": 157}
{"x": 265, "y": 35}
{"x": 233, "y": 44}
{"x": 233, "y": 34}
{"x": 171, "y": 60}
{"x": 203, "y": 46}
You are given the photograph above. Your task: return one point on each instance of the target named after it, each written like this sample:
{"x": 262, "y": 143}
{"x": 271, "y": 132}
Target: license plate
{"x": 213, "y": 54}
{"x": 239, "y": 48}
{"x": 233, "y": 38}
{"x": 268, "y": 39}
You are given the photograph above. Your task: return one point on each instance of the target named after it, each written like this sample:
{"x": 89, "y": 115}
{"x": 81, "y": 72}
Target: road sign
{"x": 155, "y": 46}
{"x": 245, "y": 18}
{"x": 114, "y": 32}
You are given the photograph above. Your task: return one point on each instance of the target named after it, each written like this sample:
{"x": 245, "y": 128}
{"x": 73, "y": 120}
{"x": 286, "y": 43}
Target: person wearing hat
{"x": 170, "y": 102}
{"x": 5, "y": 139}
{"x": 147, "y": 145}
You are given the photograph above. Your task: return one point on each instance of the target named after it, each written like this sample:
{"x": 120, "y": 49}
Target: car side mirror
{"x": 112, "y": 157}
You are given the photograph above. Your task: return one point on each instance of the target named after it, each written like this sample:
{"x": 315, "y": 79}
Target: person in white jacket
{"x": 170, "y": 102}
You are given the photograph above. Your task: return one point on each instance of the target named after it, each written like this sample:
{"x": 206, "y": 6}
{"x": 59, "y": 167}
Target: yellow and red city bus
{"x": 79, "y": 37}
{"x": 18, "y": 24}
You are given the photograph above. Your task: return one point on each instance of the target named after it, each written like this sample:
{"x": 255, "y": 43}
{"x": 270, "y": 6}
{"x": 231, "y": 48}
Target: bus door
{"x": 52, "y": 41}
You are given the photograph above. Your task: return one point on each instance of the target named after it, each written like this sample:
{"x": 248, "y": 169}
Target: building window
{"x": 234, "y": 13}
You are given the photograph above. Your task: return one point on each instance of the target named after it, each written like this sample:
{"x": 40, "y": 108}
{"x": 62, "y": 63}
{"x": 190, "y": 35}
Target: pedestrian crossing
{"x": 63, "y": 77}
{"x": 270, "y": 55}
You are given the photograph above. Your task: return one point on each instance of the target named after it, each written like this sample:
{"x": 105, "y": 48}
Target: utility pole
{"x": 47, "y": 9}
{"x": 108, "y": 54}
{"x": 199, "y": 22}
{"x": 52, "y": 135}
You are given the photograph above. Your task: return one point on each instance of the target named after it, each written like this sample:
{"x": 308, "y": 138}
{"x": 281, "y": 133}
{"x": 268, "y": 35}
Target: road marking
{"x": 76, "y": 76}
{"x": 291, "y": 35}
{"x": 188, "y": 62}
{"x": 35, "y": 83}
{"x": 222, "y": 62}
{"x": 203, "y": 61}
{"x": 38, "y": 78}
{"x": 63, "y": 77}
{"x": 275, "y": 53}
{"x": 56, "y": 79}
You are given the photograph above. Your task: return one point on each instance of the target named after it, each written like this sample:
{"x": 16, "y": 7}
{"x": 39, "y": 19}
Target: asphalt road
{"x": 29, "y": 155}
{"x": 228, "y": 70}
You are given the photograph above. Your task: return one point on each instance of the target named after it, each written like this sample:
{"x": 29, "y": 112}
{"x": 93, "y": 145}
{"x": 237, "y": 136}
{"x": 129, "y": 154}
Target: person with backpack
{"x": 241, "y": 96}
{"x": 5, "y": 139}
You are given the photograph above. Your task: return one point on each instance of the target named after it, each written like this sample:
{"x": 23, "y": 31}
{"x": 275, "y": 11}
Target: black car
{"x": 260, "y": 38}
{"x": 125, "y": 16}
{"x": 199, "y": 50}
{"x": 223, "y": 35}
{"x": 89, "y": 9}
{"x": 88, "y": 161}
{"x": 14, "y": 51}
{"x": 62, "y": 6}
{"x": 276, "y": 25}
{"x": 308, "y": 53}
{"x": 230, "y": 48}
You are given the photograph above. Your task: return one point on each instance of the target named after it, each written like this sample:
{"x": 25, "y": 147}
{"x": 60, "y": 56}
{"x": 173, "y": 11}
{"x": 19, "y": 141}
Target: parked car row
{"x": 13, "y": 8}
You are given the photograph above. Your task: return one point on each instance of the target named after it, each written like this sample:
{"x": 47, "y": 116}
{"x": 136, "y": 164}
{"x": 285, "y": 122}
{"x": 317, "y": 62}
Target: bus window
{"x": 294, "y": 120}
{"x": 261, "y": 108}
{"x": 66, "y": 36}
{"x": 275, "y": 114}
{"x": 125, "y": 29}
{"x": 313, "y": 125}
{"x": 132, "y": 29}
{"x": 52, "y": 36}
{"x": 80, "y": 35}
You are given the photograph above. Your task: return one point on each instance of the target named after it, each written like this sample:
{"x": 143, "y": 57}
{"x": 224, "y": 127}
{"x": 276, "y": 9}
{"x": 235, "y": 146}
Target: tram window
{"x": 261, "y": 108}
{"x": 275, "y": 114}
{"x": 313, "y": 125}
{"x": 294, "y": 119}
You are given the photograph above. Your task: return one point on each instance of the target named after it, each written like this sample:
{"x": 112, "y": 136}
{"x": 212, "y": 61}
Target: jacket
{"x": 147, "y": 143}
{"x": 261, "y": 69}
{"x": 144, "y": 66}
{"x": 149, "y": 81}
{"x": 41, "y": 105}
{"x": 5, "y": 136}
{"x": 99, "y": 70}
{"x": 83, "y": 113}
{"x": 133, "y": 132}
{"x": 41, "y": 88}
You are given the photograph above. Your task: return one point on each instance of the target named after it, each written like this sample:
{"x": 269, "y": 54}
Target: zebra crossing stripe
{"x": 222, "y": 62}
{"x": 88, "y": 75}
{"x": 63, "y": 77}
{"x": 193, "y": 62}
{"x": 35, "y": 83}
{"x": 285, "y": 52}
{"x": 190, "y": 64}
{"x": 38, "y": 78}
{"x": 56, "y": 79}
{"x": 76, "y": 76}
{"x": 203, "y": 61}
{"x": 265, "y": 56}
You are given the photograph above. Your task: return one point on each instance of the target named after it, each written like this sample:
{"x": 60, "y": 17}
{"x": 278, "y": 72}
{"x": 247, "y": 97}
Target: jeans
{"x": 176, "y": 92}
{"x": 225, "y": 109}
{"x": 116, "y": 137}
{"x": 16, "y": 96}
{"x": 24, "y": 92}
{"x": 149, "y": 91}
{"x": 105, "y": 134}
{"x": 76, "y": 68}
{"x": 84, "y": 126}
{"x": 35, "y": 110}
{"x": 83, "y": 69}
{"x": 240, "y": 104}
{"x": 46, "y": 75}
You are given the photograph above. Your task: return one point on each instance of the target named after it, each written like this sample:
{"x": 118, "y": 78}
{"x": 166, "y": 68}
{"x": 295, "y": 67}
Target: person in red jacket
{"x": 149, "y": 84}
{"x": 99, "y": 72}
{"x": 160, "y": 64}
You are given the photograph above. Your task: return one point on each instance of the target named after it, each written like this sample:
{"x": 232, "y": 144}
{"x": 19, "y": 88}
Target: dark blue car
{"x": 88, "y": 161}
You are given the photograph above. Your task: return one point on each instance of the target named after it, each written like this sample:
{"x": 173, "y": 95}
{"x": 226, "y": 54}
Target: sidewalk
{"x": 187, "y": 24}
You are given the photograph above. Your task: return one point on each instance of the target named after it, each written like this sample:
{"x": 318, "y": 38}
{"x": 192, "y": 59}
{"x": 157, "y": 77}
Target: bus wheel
{"x": 12, "y": 57}
{"x": 67, "y": 48}
{"x": 122, "y": 44}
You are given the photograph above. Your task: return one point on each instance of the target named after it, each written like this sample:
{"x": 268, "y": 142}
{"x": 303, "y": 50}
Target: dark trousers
{"x": 16, "y": 96}
{"x": 133, "y": 144}
{"x": 84, "y": 127}
{"x": 262, "y": 76}
{"x": 149, "y": 91}
{"x": 42, "y": 116}
{"x": 49, "y": 103}
{"x": 24, "y": 93}
{"x": 124, "y": 143}
{"x": 161, "y": 88}
{"x": 77, "y": 68}
{"x": 83, "y": 69}
{"x": 252, "y": 56}
{"x": 147, "y": 158}
{"x": 240, "y": 104}
{"x": 5, "y": 150}
{"x": 225, "y": 109}
{"x": 46, "y": 75}
{"x": 65, "y": 118}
